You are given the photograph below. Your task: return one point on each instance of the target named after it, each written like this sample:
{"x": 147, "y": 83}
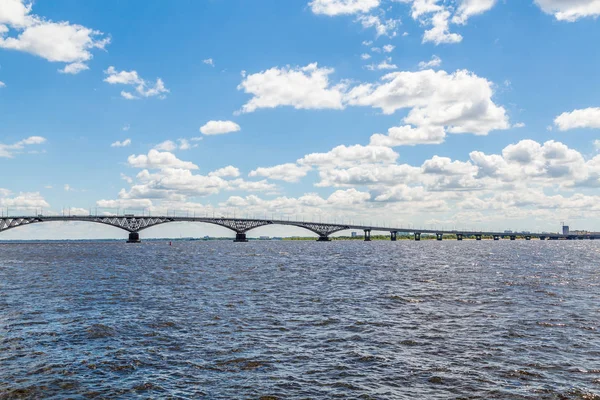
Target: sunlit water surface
{"x": 379, "y": 320}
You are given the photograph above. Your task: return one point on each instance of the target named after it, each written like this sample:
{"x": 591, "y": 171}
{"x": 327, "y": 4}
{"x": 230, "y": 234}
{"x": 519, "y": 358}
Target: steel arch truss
{"x": 236, "y": 225}
{"x": 130, "y": 224}
{"x": 8, "y": 223}
{"x": 322, "y": 230}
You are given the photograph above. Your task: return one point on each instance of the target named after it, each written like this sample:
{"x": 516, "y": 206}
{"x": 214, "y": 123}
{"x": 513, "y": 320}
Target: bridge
{"x": 241, "y": 226}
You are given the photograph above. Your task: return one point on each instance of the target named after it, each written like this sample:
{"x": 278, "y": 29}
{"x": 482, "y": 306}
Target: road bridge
{"x": 241, "y": 226}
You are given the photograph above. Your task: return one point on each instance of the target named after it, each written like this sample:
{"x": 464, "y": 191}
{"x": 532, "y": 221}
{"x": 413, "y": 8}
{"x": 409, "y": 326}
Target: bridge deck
{"x": 241, "y": 226}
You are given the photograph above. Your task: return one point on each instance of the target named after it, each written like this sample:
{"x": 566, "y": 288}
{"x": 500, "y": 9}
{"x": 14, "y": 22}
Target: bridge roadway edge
{"x": 134, "y": 224}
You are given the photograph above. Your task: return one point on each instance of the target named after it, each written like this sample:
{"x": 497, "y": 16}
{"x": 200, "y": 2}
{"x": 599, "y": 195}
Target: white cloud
{"x": 54, "y": 41}
{"x": 365, "y": 56}
{"x": 289, "y": 172}
{"x": 340, "y": 7}
{"x": 128, "y": 95}
{"x": 382, "y": 27}
{"x": 462, "y": 101}
{"x": 584, "y": 118}
{"x": 570, "y": 10}
{"x": 219, "y": 127}
{"x": 68, "y": 188}
{"x": 350, "y": 155}
{"x": 123, "y": 143}
{"x": 433, "y": 63}
{"x": 439, "y": 33}
{"x": 158, "y": 160}
{"x": 2, "y": 84}
{"x": 227, "y": 172}
{"x": 209, "y": 61}
{"x": 73, "y": 68}
{"x": 169, "y": 145}
{"x": 384, "y": 65}
{"x": 469, "y": 8}
{"x": 409, "y": 136}
{"x": 301, "y": 87}
{"x": 596, "y": 144}
{"x": 131, "y": 78}
{"x": 126, "y": 127}
{"x": 9, "y": 150}
{"x": 126, "y": 178}
{"x": 22, "y": 201}
{"x": 388, "y": 48}
{"x": 519, "y": 125}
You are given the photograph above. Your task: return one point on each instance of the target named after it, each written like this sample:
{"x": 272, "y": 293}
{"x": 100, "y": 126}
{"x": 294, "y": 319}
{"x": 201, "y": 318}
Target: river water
{"x": 287, "y": 320}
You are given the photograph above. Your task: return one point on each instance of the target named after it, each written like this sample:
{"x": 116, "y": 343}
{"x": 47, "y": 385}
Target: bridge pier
{"x": 459, "y": 236}
{"x": 134, "y": 237}
{"x": 439, "y": 236}
{"x": 477, "y": 237}
{"x": 542, "y": 237}
{"x": 323, "y": 239}
{"x": 513, "y": 237}
{"x": 394, "y": 236}
{"x": 527, "y": 237}
{"x": 240, "y": 238}
{"x": 367, "y": 235}
{"x": 417, "y": 236}
{"x": 496, "y": 237}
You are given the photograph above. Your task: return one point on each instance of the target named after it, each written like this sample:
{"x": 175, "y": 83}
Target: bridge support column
{"x": 527, "y": 237}
{"x": 513, "y": 238}
{"x": 323, "y": 239}
{"x": 459, "y": 236}
{"x": 367, "y": 235}
{"x": 542, "y": 237}
{"x": 394, "y": 236}
{"x": 439, "y": 236}
{"x": 477, "y": 237}
{"x": 240, "y": 238}
{"x": 496, "y": 237}
{"x": 417, "y": 236}
{"x": 134, "y": 237}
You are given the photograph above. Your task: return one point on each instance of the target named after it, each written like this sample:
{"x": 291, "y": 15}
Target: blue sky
{"x": 475, "y": 113}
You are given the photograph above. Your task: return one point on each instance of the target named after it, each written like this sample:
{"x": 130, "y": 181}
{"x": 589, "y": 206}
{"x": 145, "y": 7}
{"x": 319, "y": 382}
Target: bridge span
{"x": 241, "y": 226}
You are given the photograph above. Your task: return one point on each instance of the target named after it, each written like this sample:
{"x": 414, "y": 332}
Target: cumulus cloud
{"x": 383, "y": 27}
{"x": 460, "y": 101}
{"x": 22, "y": 201}
{"x": 158, "y": 160}
{"x": 142, "y": 87}
{"x": 440, "y": 30}
{"x": 383, "y": 65}
{"x": 341, "y": 7}
{"x": 584, "y": 118}
{"x": 469, "y": 8}
{"x": 170, "y": 145}
{"x": 299, "y": 87}
{"x": 227, "y": 172}
{"x": 438, "y": 14}
{"x": 219, "y": 127}
{"x": 9, "y": 150}
{"x": 209, "y": 61}
{"x": 54, "y": 41}
{"x": 433, "y": 63}
{"x": 570, "y": 10}
{"x": 2, "y": 84}
{"x": 409, "y": 136}
{"x": 123, "y": 143}
{"x": 289, "y": 172}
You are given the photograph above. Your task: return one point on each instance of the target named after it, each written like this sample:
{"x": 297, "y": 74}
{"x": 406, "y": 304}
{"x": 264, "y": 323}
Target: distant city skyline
{"x": 476, "y": 114}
